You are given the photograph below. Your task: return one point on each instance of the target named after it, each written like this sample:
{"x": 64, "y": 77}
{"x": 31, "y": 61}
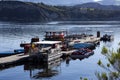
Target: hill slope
{"x": 27, "y": 11}
{"x": 24, "y": 11}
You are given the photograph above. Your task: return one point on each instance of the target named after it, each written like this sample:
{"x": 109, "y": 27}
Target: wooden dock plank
{"x": 12, "y": 58}
{"x": 85, "y": 40}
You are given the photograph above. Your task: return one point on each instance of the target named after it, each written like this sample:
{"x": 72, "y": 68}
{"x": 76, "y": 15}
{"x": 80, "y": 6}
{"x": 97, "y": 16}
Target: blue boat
{"x": 84, "y": 45}
{"x": 8, "y": 53}
{"x": 17, "y": 51}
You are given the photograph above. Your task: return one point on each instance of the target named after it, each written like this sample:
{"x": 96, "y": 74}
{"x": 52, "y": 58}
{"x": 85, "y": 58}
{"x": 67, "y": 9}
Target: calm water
{"x": 12, "y": 34}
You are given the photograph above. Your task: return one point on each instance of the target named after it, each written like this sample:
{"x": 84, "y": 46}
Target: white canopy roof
{"x": 47, "y": 42}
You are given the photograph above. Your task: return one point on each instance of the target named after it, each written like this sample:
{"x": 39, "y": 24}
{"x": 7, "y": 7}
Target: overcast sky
{"x": 73, "y": 2}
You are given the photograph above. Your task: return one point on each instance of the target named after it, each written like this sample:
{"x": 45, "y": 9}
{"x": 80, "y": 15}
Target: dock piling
{"x": 98, "y": 34}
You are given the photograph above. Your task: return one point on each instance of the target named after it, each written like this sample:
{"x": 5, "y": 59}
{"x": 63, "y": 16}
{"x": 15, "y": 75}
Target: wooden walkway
{"x": 12, "y": 59}
{"x": 86, "y": 40}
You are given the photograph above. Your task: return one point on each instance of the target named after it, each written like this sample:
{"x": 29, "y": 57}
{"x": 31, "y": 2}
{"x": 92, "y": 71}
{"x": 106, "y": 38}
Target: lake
{"x": 12, "y": 34}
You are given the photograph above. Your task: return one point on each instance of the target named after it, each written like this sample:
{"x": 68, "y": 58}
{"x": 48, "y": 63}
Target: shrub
{"x": 99, "y": 62}
{"x": 104, "y": 50}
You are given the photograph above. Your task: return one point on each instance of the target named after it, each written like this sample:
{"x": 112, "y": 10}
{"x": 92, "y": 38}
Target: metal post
{"x": 98, "y": 33}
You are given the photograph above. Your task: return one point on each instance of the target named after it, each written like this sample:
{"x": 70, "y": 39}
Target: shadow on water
{"x": 79, "y": 67}
{"x": 40, "y": 70}
{"x": 46, "y": 70}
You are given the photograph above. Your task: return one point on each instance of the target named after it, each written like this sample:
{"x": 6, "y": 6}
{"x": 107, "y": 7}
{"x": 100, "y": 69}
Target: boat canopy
{"x": 82, "y": 45}
{"x": 48, "y": 42}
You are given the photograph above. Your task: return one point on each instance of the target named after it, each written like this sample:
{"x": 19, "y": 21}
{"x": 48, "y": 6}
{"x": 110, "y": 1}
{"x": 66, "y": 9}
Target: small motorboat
{"x": 9, "y": 53}
{"x": 17, "y": 51}
{"x": 107, "y": 37}
{"x": 6, "y": 53}
{"x": 82, "y": 53}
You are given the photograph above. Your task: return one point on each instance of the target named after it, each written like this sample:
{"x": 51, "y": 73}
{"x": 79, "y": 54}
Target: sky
{"x": 73, "y": 2}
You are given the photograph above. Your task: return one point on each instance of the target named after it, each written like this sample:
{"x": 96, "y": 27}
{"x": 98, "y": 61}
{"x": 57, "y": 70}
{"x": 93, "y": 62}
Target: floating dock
{"x": 85, "y": 40}
{"x": 14, "y": 59}
{"x": 21, "y": 58}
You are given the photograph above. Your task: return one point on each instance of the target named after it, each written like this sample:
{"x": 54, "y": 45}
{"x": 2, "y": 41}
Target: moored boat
{"x": 9, "y": 53}
{"x": 108, "y": 36}
{"x": 55, "y": 35}
{"x": 82, "y": 53}
{"x": 84, "y": 45}
{"x": 46, "y": 50}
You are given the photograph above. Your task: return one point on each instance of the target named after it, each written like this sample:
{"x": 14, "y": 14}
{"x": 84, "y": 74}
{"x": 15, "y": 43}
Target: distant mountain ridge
{"x": 98, "y": 6}
{"x": 28, "y": 11}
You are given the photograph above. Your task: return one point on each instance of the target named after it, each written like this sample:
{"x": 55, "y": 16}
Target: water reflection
{"x": 46, "y": 70}
{"x": 11, "y": 36}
